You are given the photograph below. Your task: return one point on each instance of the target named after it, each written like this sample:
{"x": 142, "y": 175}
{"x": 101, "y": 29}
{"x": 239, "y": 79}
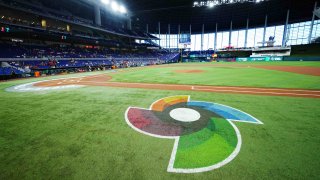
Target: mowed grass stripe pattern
{"x": 81, "y": 134}
{"x": 222, "y": 75}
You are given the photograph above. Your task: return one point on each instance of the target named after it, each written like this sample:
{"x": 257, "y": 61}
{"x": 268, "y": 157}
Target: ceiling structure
{"x": 182, "y": 12}
{"x": 175, "y": 12}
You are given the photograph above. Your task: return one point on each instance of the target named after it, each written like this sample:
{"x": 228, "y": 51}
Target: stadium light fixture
{"x": 107, "y": 2}
{"x": 212, "y": 3}
{"x": 122, "y": 9}
{"x": 115, "y": 6}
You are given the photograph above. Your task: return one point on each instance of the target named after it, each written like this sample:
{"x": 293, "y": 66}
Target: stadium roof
{"x": 175, "y": 12}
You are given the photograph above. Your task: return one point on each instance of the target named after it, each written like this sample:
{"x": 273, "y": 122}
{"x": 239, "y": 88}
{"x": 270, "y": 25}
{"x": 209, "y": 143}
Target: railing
{"x": 83, "y": 59}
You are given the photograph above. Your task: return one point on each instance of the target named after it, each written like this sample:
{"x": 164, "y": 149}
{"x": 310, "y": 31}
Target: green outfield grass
{"x": 280, "y": 63}
{"x": 82, "y": 134}
{"x": 223, "y": 74}
{"x": 264, "y": 63}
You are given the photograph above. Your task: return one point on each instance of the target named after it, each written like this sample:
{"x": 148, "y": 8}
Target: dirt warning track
{"x": 104, "y": 80}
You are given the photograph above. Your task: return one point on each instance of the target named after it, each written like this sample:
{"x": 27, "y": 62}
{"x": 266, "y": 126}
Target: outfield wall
{"x": 285, "y": 58}
{"x": 310, "y": 58}
{"x": 312, "y": 50}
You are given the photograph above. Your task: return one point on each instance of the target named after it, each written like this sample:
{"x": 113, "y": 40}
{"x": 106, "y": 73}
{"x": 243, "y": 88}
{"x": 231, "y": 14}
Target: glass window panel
{"x": 173, "y": 41}
{"x": 225, "y": 40}
{"x": 205, "y": 41}
{"x": 211, "y": 37}
{"x": 198, "y": 42}
{"x": 251, "y": 34}
{"x": 279, "y": 35}
{"x": 259, "y": 36}
{"x": 193, "y": 42}
{"x": 270, "y": 32}
{"x": 241, "y": 38}
{"x": 164, "y": 40}
{"x": 219, "y": 40}
{"x": 294, "y": 34}
{"x": 306, "y": 31}
{"x": 234, "y": 38}
{"x": 302, "y": 24}
{"x": 308, "y": 23}
{"x": 316, "y": 31}
{"x": 300, "y": 32}
{"x": 305, "y": 41}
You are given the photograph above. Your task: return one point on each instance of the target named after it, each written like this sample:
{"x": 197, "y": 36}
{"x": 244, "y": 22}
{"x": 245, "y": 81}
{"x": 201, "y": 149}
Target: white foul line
{"x": 254, "y": 92}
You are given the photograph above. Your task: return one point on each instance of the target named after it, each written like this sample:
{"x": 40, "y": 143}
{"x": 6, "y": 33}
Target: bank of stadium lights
{"x": 115, "y": 6}
{"x": 213, "y": 3}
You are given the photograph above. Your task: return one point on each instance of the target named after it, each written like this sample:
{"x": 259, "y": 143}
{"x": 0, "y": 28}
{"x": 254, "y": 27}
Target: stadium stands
{"x": 54, "y": 40}
{"x": 21, "y": 59}
{"x": 41, "y": 51}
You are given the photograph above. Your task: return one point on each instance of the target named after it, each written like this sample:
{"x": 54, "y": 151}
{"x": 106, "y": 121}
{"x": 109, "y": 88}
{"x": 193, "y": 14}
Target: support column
{"x": 238, "y": 39}
{"x": 255, "y": 33}
{"x": 202, "y": 37}
{"x": 167, "y": 40}
{"x": 312, "y": 22}
{"x": 190, "y": 37}
{"x": 97, "y": 15}
{"x": 159, "y": 32}
{"x": 216, "y": 38}
{"x": 147, "y": 28}
{"x": 169, "y": 32}
{"x": 178, "y": 35}
{"x": 265, "y": 31}
{"x": 284, "y": 38}
{"x": 246, "y": 35}
{"x": 230, "y": 34}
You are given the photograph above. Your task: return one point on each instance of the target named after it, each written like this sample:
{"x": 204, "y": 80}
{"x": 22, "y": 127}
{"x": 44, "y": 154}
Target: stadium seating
{"x": 16, "y": 58}
{"x": 5, "y": 71}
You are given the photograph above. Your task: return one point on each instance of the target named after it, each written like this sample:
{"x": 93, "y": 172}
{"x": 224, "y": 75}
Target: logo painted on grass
{"x": 204, "y": 133}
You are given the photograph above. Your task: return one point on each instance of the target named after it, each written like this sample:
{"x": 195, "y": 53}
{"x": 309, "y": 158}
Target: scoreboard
{"x": 185, "y": 41}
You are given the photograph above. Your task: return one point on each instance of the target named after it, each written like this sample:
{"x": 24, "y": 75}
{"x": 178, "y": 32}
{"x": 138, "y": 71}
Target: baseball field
{"x": 78, "y": 126}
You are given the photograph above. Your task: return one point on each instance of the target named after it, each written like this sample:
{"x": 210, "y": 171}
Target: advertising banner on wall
{"x": 260, "y": 59}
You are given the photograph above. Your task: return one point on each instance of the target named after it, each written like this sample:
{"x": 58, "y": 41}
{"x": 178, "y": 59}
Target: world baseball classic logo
{"x": 204, "y": 133}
